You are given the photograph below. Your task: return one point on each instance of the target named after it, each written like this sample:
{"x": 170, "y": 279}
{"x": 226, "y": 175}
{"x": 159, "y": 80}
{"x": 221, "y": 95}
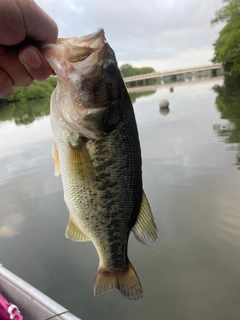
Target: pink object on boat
{"x": 8, "y": 311}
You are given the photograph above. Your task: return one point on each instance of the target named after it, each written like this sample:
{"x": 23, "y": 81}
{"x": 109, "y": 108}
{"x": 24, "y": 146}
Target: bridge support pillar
{"x": 214, "y": 73}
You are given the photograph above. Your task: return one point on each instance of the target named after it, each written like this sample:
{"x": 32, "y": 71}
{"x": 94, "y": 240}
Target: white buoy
{"x": 163, "y": 104}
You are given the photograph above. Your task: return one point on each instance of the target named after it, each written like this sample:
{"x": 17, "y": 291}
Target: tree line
{"x": 127, "y": 70}
{"x": 227, "y": 46}
{"x": 39, "y": 90}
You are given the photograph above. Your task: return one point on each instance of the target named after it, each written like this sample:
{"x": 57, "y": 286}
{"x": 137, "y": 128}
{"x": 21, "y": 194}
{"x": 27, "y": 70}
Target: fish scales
{"x": 116, "y": 191}
{"x": 97, "y": 151}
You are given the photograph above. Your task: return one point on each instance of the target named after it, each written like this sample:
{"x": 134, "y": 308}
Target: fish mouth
{"x": 89, "y": 40}
{"x": 78, "y": 49}
{"x": 77, "y": 61}
{"x": 74, "y": 49}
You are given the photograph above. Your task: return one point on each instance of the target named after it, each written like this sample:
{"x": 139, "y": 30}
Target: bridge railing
{"x": 175, "y": 72}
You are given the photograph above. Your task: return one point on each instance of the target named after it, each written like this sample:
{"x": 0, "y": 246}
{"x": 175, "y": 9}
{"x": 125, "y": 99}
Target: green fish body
{"x": 97, "y": 151}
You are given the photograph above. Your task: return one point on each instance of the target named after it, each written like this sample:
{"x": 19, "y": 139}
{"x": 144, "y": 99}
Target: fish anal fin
{"x": 126, "y": 281}
{"x": 55, "y": 156}
{"x": 74, "y": 233}
{"x": 145, "y": 229}
{"x": 79, "y": 164}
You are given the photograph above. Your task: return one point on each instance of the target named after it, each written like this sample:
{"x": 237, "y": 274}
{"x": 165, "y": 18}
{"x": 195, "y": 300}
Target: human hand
{"x": 23, "y": 27}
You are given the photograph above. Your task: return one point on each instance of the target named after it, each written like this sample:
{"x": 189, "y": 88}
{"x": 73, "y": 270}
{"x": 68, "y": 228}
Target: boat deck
{"x": 33, "y": 304}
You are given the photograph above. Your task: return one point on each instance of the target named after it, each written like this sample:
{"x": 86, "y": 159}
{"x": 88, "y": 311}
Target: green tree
{"x": 37, "y": 90}
{"x": 227, "y": 46}
{"x": 127, "y": 70}
{"x": 229, "y": 12}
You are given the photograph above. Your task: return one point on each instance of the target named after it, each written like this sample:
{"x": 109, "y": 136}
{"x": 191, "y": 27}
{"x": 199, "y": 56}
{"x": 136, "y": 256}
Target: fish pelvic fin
{"x": 74, "y": 233}
{"x": 55, "y": 156}
{"x": 125, "y": 280}
{"x": 145, "y": 229}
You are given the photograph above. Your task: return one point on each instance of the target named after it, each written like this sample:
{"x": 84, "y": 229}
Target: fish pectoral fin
{"x": 145, "y": 229}
{"x": 79, "y": 165}
{"x": 125, "y": 280}
{"x": 56, "y": 160}
{"x": 74, "y": 233}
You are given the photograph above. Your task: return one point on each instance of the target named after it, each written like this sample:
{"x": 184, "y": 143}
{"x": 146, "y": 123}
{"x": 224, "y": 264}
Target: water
{"x": 191, "y": 177}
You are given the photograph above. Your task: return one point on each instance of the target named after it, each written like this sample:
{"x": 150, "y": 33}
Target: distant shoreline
{"x": 37, "y": 90}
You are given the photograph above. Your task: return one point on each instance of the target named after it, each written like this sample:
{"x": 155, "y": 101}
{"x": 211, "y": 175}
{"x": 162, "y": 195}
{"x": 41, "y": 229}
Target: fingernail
{"x": 31, "y": 58}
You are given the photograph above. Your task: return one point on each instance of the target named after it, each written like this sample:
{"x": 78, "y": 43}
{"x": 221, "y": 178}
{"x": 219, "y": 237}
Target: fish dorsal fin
{"x": 79, "y": 165}
{"x": 74, "y": 233}
{"x": 55, "y": 156}
{"x": 145, "y": 230}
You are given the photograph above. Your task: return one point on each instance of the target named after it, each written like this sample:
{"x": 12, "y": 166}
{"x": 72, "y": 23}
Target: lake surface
{"x": 191, "y": 177}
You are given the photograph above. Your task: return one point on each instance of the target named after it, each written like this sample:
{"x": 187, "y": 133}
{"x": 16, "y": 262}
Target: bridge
{"x": 171, "y": 73}
{"x": 175, "y": 84}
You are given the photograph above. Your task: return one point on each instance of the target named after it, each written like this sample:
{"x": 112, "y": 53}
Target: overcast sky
{"x": 163, "y": 34}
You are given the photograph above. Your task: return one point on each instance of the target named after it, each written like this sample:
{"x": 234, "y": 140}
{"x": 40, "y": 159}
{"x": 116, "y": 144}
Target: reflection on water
{"x": 192, "y": 184}
{"x": 228, "y": 103}
{"x": 30, "y": 110}
{"x": 25, "y": 112}
{"x": 135, "y": 95}
{"x": 164, "y": 111}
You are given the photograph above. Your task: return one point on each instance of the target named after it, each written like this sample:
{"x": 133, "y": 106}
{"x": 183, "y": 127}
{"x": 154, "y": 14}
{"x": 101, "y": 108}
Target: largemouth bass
{"x": 96, "y": 149}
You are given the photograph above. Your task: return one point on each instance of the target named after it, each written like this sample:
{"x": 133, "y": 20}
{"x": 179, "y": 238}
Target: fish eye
{"x": 110, "y": 67}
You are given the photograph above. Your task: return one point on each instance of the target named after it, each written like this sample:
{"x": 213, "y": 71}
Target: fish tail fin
{"x": 125, "y": 280}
